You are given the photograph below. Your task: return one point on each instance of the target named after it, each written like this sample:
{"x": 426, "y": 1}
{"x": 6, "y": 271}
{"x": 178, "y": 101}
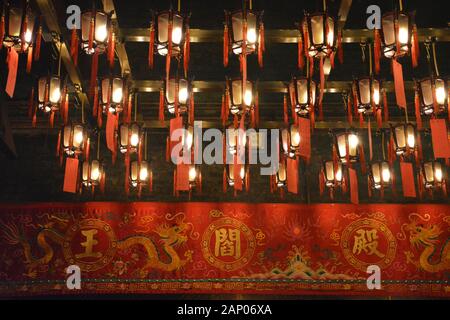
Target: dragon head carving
{"x": 420, "y": 234}
{"x": 173, "y": 235}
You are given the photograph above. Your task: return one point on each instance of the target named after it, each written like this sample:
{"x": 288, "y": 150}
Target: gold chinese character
{"x": 89, "y": 245}
{"x": 367, "y": 241}
{"x": 228, "y": 243}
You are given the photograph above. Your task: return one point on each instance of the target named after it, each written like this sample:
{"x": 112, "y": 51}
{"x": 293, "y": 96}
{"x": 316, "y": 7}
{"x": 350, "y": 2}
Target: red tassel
{"x": 257, "y": 109}
{"x": 95, "y": 106}
{"x": 168, "y": 149}
{"x": 224, "y": 180}
{"x": 285, "y": 111}
{"x": 31, "y": 104}
{"x": 103, "y": 183}
{"x": 385, "y": 106}
{"x": 261, "y": 45}
{"x": 91, "y": 31}
{"x": 187, "y": 51}
{"x": 377, "y": 51}
{"x": 419, "y": 152}
{"x": 151, "y": 47}
{"x": 312, "y": 118}
{"x": 418, "y": 113}
{"x": 362, "y": 159}
{"x": 2, "y": 30}
{"x": 191, "y": 109}
{"x": 52, "y": 119}
{"x": 222, "y": 112}
{"x": 300, "y": 54}
{"x": 347, "y": 153}
{"x": 340, "y": 48}
{"x": 29, "y": 59}
{"x": 169, "y": 50}
{"x": 94, "y": 72}
{"x": 415, "y": 48}
{"x": 37, "y": 51}
{"x": 420, "y": 184}
{"x": 58, "y": 145}
{"x": 322, "y": 89}
{"x": 311, "y": 67}
{"x": 361, "y": 119}
{"x": 111, "y": 48}
{"x": 127, "y": 173}
{"x": 379, "y": 119}
{"x": 65, "y": 108}
{"x": 150, "y": 182}
{"x": 448, "y": 104}
{"x": 369, "y": 187}
{"x": 225, "y": 45}
{"x": 161, "y": 105}
{"x": 369, "y": 133}
{"x": 87, "y": 149}
{"x": 74, "y": 47}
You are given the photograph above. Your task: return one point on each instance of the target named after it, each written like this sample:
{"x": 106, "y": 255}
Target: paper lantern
{"x": 241, "y": 98}
{"x": 73, "y": 140}
{"x": 396, "y": 34}
{"x": 291, "y": 141}
{"x": 164, "y": 19}
{"x": 112, "y": 94}
{"x": 433, "y": 174}
{"x": 140, "y": 173}
{"x": 405, "y": 138}
{"x": 432, "y": 95}
{"x": 15, "y": 37}
{"x": 368, "y": 95}
{"x": 333, "y": 174}
{"x": 230, "y": 174}
{"x": 182, "y": 96}
{"x": 321, "y": 35}
{"x": 92, "y": 173}
{"x": 95, "y": 40}
{"x": 380, "y": 175}
{"x": 49, "y": 93}
{"x": 347, "y": 140}
{"x": 281, "y": 176}
{"x": 130, "y": 136}
{"x": 232, "y": 138}
{"x": 237, "y": 20}
{"x": 303, "y": 92}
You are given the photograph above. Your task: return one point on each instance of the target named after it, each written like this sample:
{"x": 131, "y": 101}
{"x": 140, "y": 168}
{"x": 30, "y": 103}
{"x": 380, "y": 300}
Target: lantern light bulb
{"x": 438, "y": 174}
{"x": 28, "y": 36}
{"x": 192, "y": 174}
{"x": 183, "y": 95}
{"x": 440, "y": 95}
{"x": 242, "y": 173}
{"x": 251, "y": 36}
{"x": 101, "y": 33}
{"x": 78, "y": 138}
{"x": 330, "y": 38}
{"x": 95, "y": 174}
{"x": 176, "y": 35}
{"x": 296, "y": 139}
{"x": 376, "y": 96}
{"x": 411, "y": 141}
{"x": 403, "y": 35}
{"x": 189, "y": 139}
{"x": 353, "y": 141}
{"x": 248, "y": 97}
{"x": 386, "y": 175}
{"x": 339, "y": 174}
{"x": 117, "y": 95}
{"x": 143, "y": 174}
{"x": 55, "y": 96}
{"x": 134, "y": 140}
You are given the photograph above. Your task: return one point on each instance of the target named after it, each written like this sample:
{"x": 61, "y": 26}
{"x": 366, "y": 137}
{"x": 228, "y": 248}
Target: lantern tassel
{"x": 31, "y": 104}
{"x": 224, "y": 180}
{"x": 379, "y": 118}
{"x": 222, "y": 112}
{"x": 448, "y": 105}
{"x": 311, "y": 67}
{"x": 321, "y": 183}
{"x": 51, "y": 120}
{"x": 111, "y": 48}
{"x": 257, "y": 109}
{"x": 419, "y": 151}
{"x": 285, "y": 111}
{"x": 65, "y": 107}
{"x": 168, "y": 149}
{"x": 127, "y": 173}
{"x": 261, "y": 45}
{"x": 415, "y": 48}
{"x": 340, "y": 47}
{"x": 161, "y": 105}
{"x": 418, "y": 113}
{"x": 103, "y": 183}
{"x": 58, "y": 144}
{"x": 312, "y": 118}
{"x": 99, "y": 115}
{"x": 95, "y": 105}
{"x": 335, "y": 159}
{"x": 377, "y": 51}
{"x": 91, "y": 32}
{"x": 29, "y": 59}
{"x": 420, "y": 184}
{"x": 300, "y": 53}
{"x": 361, "y": 119}
{"x": 94, "y": 72}
{"x": 322, "y": 89}
{"x": 191, "y": 109}
{"x": 385, "y": 106}
{"x": 151, "y": 46}
{"x": 347, "y": 153}
{"x": 74, "y": 47}
{"x": 225, "y": 45}
{"x": 362, "y": 159}
{"x": 150, "y": 182}
{"x": 169, "y": 51}
{"x": 37, "y": 51}
{"x": 187, "y": 51}
{"x": 24, "y": 32}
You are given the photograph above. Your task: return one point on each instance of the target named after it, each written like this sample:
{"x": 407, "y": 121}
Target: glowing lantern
{"x": 433, "y": 175}
{"x": 303, "y": 95}
{"x": 367, "y": 92}
{"x": 73, "y": 140}
{"x": 332, "y": 174}
{"x": 238, "y": 19}
{"x": 15, "y": 37}
{"x": 404, "y": 138}
{"x": 130, "y": 136}
{"x": 281, "y": 176}
{"x": 348, "y": 141}
{"x": 232, "y": 138}
{"x": 112, "y": 94}
{"x": 184, "y": 94}
{"x": 95, "y": 40}
{"x": 50, "y": 93}
{"x": 380, "y": 175}
{"x": 176, "y": 20}
{"x": 396, "y": 34}
{"x": 92, "y": 173}
{"x": 291, "y": 141}
{"x": 320, "y": 35}
{"x": 241, "y": 98}
{"x": 432, "y": 93}
{"x": 230, "y": 174}
{"x": 140, "y": 173}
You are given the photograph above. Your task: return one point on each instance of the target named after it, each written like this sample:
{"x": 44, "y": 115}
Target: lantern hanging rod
{"x": 263, "y": 86}
{"x": 282, "y": 35}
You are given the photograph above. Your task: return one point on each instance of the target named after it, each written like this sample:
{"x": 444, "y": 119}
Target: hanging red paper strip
{"x": 71, "y": 175}
{"x": 292, "y": 176}
{"x": 409, "y": 187}
{"x": 440, "y": 136}
{"x": 354, "y": 192}
{"x": 397, "y": 69}
{"x": 12, "y": 61}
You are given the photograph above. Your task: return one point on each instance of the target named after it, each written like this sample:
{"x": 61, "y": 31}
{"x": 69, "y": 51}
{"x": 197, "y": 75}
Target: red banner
{"x": 191, "y": 248}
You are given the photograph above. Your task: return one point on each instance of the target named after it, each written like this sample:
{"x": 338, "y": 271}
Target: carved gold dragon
{"x": 431, "y": 258}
